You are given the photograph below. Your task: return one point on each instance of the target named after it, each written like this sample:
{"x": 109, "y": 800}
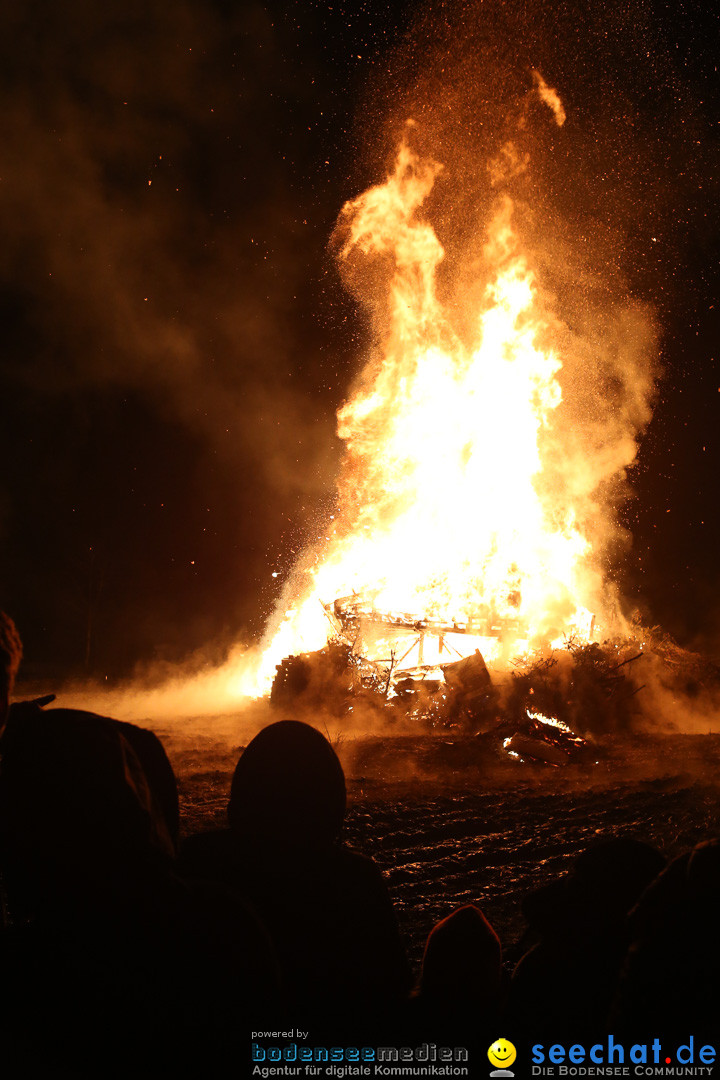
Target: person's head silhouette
{"x": 462, "y": 961}
{"x": 288, "y": 789}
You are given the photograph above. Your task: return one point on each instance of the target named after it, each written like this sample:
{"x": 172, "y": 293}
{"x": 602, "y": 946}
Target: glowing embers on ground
{"x": 545, "y": 739}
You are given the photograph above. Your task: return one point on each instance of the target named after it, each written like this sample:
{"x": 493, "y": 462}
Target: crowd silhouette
{"x": 116, "y": 938}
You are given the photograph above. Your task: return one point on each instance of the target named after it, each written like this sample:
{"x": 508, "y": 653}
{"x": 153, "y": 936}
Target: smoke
{"x": 681, "y": 696}
{"x": 157, "y": 290}
{"x": 162, "y": 694}
{"x": 110, "y": 220}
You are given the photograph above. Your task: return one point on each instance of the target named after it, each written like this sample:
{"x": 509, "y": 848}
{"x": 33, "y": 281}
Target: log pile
{"x": 554, "y": 706}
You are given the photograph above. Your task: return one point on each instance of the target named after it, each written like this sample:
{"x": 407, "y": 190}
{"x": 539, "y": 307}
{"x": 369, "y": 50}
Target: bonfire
{"x": 485, "y": 444}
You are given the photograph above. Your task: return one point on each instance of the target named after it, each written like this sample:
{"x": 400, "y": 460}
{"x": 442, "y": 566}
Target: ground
{"x": 451, "y": 824}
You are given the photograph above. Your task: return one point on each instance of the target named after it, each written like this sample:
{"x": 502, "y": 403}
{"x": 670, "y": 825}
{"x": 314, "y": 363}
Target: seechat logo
{"x": 502, "y": 1053}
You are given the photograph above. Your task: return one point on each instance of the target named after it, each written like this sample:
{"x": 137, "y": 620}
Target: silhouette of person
{"x": 461, "y": 981}
{"x": 671, "y": 975}
{"x": 327, "y": 907}
{"x": 104, "y": 946}
{"x": 567, "y": 980}
{"x": 147, "y": 746}
{"x": 148, "y": 749}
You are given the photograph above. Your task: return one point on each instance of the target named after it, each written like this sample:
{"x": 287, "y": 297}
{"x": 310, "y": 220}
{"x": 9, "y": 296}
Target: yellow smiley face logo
{"x": 502, "y": 1053}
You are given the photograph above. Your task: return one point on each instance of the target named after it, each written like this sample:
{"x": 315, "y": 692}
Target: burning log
{"x": 523, "y": 746}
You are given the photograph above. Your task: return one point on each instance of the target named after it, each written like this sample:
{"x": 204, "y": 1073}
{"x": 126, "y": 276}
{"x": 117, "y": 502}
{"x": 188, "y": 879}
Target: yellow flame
{"x": 440, "y": 511}
{"x": 550, "y": 721}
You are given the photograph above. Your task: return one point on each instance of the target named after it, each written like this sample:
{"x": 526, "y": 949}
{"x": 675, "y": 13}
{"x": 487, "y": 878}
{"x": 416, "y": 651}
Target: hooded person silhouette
{"x": 103, "y": 946}
{"x": 461, "y": 983}
{"x": 327, "y": 907}
{"x": 288, "y": 791}
{"x": 568, "y": 978}
{"x": 671, "y": 974}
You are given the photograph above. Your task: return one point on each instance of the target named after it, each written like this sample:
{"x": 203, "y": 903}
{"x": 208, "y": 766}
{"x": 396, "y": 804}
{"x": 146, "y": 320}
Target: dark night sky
{"x": 175, "y": 338}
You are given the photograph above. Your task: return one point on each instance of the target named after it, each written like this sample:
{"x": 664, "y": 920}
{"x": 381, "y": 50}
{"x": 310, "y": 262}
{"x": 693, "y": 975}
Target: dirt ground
{"x": 451, "y": 823}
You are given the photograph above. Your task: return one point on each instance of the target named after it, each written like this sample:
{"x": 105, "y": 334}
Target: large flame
{"x": 452, "y": 509}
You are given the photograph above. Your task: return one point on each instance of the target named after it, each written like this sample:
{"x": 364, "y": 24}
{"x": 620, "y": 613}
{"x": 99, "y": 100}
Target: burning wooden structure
{"x": 401, "y": 668}
{"x": 474, "y": 499}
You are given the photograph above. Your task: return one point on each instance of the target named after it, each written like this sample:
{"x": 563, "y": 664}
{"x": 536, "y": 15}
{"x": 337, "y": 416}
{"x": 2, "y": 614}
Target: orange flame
{"x": 441, "y": 516}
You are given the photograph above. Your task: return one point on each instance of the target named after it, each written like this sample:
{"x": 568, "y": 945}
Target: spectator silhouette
{"x": 567, "y": 981}
{"x": 102, "y": 927}
{"x": 147, "y": 748}
{"x": 326, "y": 906}
{"x": 146, "y": 745}
{"x": 461, "y": 981}
{"x": 288, "y": 791}
{"x": 105, "y": 949}
{"x": 671, "y": 975}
